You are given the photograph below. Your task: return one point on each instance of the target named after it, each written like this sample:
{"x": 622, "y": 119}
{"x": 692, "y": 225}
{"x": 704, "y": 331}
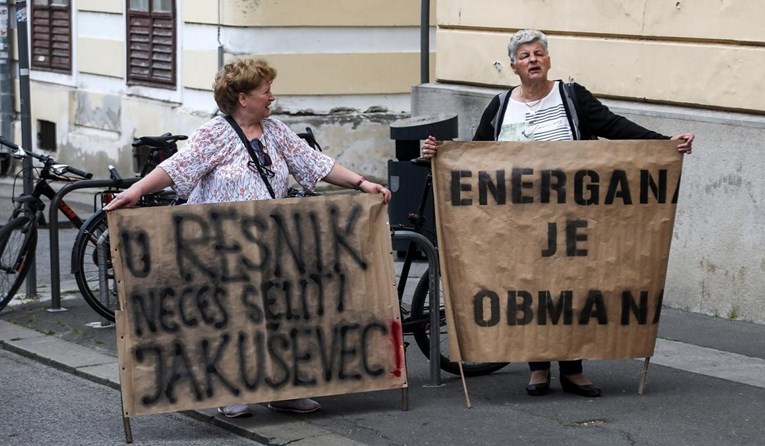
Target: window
{"x": 151, "y": 42}
{"x": 52, "y": 35}
{"x": 46, "y": 137}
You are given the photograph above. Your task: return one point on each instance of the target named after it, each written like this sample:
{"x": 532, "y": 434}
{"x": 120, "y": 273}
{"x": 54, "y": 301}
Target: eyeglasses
{"x": 263, "y": 159}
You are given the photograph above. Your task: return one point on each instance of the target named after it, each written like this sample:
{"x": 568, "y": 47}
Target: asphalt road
{"x": 43, "y": 406}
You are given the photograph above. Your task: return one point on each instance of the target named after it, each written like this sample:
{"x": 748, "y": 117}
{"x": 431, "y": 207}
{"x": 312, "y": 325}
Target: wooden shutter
{"x": 151, "y": 47}
{"x": 52, "y": 37}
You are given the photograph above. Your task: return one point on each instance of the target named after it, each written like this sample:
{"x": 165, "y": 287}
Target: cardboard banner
{"x": 255, "y": 301}
{"x": 554, "y": 250}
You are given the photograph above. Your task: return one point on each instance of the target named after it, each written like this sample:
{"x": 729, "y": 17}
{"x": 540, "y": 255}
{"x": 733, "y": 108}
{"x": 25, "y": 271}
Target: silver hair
{"x": 522, "y": 37}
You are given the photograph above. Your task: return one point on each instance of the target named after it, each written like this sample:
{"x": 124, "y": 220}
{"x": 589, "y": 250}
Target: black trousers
{"x": 566, "y": 367}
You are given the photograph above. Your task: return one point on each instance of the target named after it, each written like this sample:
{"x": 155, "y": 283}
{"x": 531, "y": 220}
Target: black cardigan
{"x": 588, "y": 115}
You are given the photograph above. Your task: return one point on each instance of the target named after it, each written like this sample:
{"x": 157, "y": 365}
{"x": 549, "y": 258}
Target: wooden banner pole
{"x": 644, "y": 376}
{"x": 125, "y": 421}
{"x": 464, "y": 387}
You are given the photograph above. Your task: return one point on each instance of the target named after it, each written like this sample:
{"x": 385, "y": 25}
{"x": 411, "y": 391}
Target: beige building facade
{"x": 345, "y": 68}
{"x": 671, "y": 66}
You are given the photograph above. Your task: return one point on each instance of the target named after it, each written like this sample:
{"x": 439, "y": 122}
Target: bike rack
{"x": 55, "y": 273}
{"x": 433, "y": 299}
{"x": 103, "y": 266}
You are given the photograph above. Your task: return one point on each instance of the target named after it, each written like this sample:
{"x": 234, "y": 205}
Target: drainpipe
{"x": 6, "y": 87}
{"x": 425, "y": 42}
{"x": 220, "y": 53}
{"x": 220, "y": 44}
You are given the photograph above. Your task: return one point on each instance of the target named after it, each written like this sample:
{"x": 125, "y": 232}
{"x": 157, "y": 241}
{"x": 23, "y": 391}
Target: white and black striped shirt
{"x": 544, "y": 120}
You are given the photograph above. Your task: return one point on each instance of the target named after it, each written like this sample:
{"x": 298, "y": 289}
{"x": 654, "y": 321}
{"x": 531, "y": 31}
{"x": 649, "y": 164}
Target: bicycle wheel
{"x": 85, "y": 267}
{"x": 18, "y": 240}
{"x": 421, "y": 310}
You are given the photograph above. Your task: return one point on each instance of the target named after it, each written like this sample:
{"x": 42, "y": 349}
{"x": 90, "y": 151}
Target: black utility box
{"x": 407, "y": 180}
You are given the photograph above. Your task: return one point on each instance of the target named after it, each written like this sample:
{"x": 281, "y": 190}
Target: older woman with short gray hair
{"x": 540, "y": 109}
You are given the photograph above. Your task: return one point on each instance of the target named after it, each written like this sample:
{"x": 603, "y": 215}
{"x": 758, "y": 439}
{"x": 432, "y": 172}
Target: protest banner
{"x": 255, "y": 301}
{"x": 554, "y": 250}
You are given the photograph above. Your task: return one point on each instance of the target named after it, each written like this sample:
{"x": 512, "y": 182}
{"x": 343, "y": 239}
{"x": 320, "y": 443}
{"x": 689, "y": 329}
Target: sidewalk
{"x": 706, "y": 386}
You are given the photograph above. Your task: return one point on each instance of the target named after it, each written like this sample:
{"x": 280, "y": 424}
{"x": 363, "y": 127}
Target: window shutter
{"x": 52, "y": 37}
{"x": 151, "y": 48}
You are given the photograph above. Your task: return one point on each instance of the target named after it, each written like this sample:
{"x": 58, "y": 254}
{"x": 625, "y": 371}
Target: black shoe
{"x": 588, "y": 390}
{"x": 539, "y": 389}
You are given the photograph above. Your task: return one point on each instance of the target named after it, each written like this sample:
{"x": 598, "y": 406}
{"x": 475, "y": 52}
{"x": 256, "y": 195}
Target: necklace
{"x": 533, "y": 106}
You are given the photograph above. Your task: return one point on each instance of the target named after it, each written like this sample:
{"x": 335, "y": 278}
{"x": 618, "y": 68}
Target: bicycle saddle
{"x": 164, "y": 140}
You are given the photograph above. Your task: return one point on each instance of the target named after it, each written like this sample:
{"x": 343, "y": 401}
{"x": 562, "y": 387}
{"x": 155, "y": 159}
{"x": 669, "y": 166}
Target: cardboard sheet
{"x": 554, "y": 250}
{"x": 255, "y": 301}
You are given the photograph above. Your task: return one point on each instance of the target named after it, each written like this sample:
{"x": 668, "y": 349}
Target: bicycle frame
{"x": 42, "y": 188}
{"x": 35, "y": 204}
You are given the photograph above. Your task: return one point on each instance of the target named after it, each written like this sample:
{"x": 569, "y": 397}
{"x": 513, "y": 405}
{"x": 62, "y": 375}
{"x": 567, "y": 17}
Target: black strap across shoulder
{"x": 250, "y": 150}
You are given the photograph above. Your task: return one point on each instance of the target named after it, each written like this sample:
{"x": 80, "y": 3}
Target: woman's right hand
{"x": 430, "y": 148}
{"x": 125, "y": 199}
{"x": 155, "y": 181}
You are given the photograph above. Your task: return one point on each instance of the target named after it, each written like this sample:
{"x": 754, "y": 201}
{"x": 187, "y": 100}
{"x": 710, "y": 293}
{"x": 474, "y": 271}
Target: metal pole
{"x": 26, "y": 117}
{"x": 425, "y": 42}
{"x": 6, "y": 86}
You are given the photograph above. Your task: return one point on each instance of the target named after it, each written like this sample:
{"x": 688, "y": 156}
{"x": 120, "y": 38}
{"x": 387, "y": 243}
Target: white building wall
{"x": 670, "y": 66}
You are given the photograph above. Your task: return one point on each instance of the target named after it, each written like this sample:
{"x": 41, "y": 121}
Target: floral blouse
{"x": 212, "y": 167}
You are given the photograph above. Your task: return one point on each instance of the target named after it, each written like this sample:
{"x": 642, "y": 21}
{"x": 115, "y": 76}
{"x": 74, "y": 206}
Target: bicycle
{"x": 148, "y": 152}
{"x": 416, "y": 320}
{"x": 18, "y": 238}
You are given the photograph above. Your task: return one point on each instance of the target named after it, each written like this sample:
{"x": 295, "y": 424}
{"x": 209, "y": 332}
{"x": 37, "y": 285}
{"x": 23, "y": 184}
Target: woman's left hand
{"x": 374, "y": 188}
{"x": 686, "y": 142}
{"x": 430, "y": 148}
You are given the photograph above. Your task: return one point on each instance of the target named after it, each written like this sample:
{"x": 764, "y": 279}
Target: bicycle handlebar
{"x": 47, "y": 160}
{"x": 7, "y": 143}
{"x": 21, "y": 152}
{"x": 79, "y": 173}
